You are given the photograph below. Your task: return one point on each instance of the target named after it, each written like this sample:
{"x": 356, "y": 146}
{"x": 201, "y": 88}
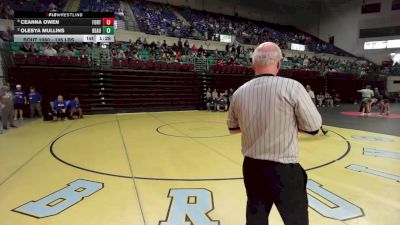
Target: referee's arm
{"x": 232, "y": 122}
{"x": 308, "y": 118}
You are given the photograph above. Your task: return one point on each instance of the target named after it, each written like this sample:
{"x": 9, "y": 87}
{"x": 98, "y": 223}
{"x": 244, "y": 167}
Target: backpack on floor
{"x": 48, "y": 117}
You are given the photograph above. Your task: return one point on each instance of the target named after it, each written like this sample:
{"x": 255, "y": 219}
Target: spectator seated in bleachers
{"x": 29, "y": 48}
{"x": 159, "y": 19}
{"x": 50, "y": 51}
{"x": 162, "y": 52}
{"x": 7, "y": 8}
{"x": 101, "y": 6}
{"x": 59, "y": 108}
{"x": 235, "y": 54}
{"x": 252, "y": 32}
{"x": 68, "y": 51}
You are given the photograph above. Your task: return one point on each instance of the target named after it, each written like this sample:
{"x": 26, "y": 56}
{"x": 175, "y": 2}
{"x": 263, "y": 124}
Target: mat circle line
{"x": 187, "y": 136}
{"x": 52, "y": 151}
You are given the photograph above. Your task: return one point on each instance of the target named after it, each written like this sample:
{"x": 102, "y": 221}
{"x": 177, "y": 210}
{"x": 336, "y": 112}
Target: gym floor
{"x": 182, "y": 168}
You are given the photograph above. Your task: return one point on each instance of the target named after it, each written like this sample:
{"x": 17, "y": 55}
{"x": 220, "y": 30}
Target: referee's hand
{"x": 309, "y": 132}
{"x": 236, "y": 131}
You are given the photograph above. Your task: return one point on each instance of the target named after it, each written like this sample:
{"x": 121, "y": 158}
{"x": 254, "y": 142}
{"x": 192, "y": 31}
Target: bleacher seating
{"x": 123, "y": 89}
{"x": 38, "y": 6}
{"x": 52, "y": 81}
{"x": 155, "y": 84}
{"x": 150, "y": 65}
{"x": 42, "y": 60}
{"x": 253, "y": 32}
{"x": 135, "y": 85}
{"x": 158, "y": 19}
{"x": 226, "y": 69}
{"x": 98, "y": 6}
{"x": 339, "y": 76}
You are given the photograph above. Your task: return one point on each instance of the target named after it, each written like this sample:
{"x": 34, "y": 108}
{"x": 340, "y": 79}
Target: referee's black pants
{"x": 270, "y": 183}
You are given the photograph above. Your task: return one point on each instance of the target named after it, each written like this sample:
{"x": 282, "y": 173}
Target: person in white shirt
{"x": 320, "y": 99}
{"x": 269, "y": 111}
{"x": 366, "y": 92}
{"x": 328, "y": 100}
{"x": 50, "y": 51}
{"x": 208, "y": 94}
{"x": 366, "y": 96}
{"x": 306, "y": 62}
{"x": 222, "y": 103}
{"x": 311, "y": 93}
{"x": 214, "y": 94}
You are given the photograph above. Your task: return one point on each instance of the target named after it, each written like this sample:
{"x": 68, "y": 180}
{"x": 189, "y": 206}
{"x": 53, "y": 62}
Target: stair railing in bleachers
{"x": 200, "y": 64}
{"x": 101, "y": 58}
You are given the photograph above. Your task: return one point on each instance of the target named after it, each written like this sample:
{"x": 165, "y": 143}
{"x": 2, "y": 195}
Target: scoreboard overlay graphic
{"x": 64, "y": 27}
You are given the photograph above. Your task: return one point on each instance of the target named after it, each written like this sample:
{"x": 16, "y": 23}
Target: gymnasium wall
{"x": 344, "y": 22}
{"x": 393, "y": 83}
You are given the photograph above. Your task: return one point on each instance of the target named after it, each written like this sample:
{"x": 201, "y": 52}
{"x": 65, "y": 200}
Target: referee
{"x": 269, "y": 111}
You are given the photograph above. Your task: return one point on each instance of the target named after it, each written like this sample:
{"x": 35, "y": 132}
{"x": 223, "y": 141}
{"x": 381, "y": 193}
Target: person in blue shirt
{"x": 34, "y": 102}
{"x": 19, "y": 102}
{"x": 75, "y": 108}
{"x": 60, "y": 107}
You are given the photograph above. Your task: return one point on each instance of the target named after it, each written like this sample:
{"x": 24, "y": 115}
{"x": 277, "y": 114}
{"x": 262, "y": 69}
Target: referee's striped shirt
{"x": 269, "y": 110}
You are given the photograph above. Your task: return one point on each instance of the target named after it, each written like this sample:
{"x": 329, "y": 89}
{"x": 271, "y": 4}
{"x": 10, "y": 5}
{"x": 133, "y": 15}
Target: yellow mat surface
{"x": 181, "y": 168}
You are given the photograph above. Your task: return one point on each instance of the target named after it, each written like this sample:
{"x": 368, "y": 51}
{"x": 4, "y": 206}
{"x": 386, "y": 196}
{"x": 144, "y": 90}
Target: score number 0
{"x": 108, "y": 21}
{"x": 108, "y": 25}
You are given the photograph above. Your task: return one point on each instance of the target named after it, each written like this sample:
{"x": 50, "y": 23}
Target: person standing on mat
{"x": 269, "y": 111}
{"x": 366, "y": 96}
{"x": 7, "y": 100}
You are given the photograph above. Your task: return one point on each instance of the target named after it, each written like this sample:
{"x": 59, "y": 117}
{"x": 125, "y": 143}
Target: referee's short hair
{"x": 266, "y": 58}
